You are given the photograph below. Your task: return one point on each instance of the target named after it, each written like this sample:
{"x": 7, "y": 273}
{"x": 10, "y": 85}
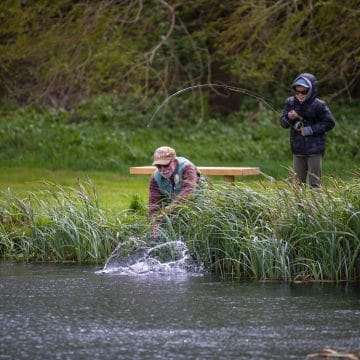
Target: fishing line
{"x": 229, "y": 87}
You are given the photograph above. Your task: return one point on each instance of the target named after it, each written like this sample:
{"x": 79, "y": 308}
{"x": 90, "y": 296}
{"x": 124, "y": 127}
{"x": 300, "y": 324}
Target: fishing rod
{"x": 228, "y": 87}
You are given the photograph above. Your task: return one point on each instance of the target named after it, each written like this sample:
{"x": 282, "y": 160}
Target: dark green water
{"x": 72, "y": 312}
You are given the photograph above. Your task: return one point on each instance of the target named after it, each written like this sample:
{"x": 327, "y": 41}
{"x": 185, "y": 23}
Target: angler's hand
{"x": 163, "y": 213}
{"x": 155, "y": 233}
{"x": 292, "y": 115}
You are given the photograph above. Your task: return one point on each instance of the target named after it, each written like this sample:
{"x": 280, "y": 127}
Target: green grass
{"x": 115, "y": 191}
{"x": 262, "y": 229}
{"x": 269, "y": 231}
{"x": 53, "y": 139}
{"x": 282, "y": 232}
{"x": 61, "y": 223}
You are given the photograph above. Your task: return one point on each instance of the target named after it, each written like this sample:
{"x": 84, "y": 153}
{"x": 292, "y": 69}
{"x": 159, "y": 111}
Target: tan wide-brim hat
{"x": 163, "y": 155}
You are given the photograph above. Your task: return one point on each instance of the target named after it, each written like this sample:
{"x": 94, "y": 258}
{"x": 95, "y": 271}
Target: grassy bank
{"x": 110, "y": 138}
{"x": 60, "y": 223}
{"x": 280, "y": 232}
{"x": 283, "y": 233}
{"x": 115, "y": 191}
{"x": 265, "y": 228}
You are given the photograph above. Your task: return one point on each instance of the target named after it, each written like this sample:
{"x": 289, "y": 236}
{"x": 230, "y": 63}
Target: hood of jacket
{"x": 310, "y": 79}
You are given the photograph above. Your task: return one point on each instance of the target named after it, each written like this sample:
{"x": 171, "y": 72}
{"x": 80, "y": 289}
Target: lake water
{"x": 76, "y": 312}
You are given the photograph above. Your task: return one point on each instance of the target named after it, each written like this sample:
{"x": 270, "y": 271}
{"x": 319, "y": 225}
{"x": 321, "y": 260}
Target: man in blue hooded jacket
{"x": 309, "y": 119}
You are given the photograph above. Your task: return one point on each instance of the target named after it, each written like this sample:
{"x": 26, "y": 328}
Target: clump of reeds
{"x": 61, "y": 224}
{"x": 291, "y": 234}
{"x": 280, "y": 233}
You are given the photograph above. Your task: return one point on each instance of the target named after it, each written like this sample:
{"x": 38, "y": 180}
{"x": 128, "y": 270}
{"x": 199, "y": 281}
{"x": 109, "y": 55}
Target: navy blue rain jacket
{"x": 318, "y": 119}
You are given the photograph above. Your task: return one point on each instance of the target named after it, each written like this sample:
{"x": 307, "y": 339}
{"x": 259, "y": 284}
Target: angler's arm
{"x": 285, "y": 122}
{"x": 326, "y": 121}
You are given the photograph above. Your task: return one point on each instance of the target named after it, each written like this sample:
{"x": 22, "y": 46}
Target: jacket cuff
{"x": 308, "y": 131}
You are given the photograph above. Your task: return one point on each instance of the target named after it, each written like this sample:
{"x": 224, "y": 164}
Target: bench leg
{"x": 229, "y": 179}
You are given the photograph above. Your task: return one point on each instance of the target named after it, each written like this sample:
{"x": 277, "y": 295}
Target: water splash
{"x": 171, "y": 257}
{"x": 228, "y": 87}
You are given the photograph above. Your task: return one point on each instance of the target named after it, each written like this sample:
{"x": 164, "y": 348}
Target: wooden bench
{"x": 227, "y": 172}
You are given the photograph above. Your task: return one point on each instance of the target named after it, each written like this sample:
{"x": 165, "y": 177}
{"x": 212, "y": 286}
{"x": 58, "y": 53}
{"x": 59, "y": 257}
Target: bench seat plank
{"x": 228, "y": 172}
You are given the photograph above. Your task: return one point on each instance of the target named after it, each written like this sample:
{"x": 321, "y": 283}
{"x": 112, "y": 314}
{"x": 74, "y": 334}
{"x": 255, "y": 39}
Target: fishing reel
{"x": 298, "y": 125}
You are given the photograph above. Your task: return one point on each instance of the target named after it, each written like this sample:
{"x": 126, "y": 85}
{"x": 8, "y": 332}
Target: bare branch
{"x": 151, "y": 54}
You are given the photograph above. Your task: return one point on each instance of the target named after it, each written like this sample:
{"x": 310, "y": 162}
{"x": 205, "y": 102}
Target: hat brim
{"x": 162, "y": 162}
{"x": 301, "y": 82}
{"x": 304, "y": 86}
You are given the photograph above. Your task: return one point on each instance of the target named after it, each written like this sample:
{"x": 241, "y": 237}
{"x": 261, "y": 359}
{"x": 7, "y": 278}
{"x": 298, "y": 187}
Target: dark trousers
{"x": 305, "y": 166}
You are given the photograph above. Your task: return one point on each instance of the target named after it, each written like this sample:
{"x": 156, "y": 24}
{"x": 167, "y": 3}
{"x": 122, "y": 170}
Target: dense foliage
{"x": 107, "y": 135}
{"x": 62, "y": 52}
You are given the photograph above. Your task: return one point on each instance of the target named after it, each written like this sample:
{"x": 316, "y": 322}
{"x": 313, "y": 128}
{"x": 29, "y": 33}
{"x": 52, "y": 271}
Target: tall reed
{"x": 61, "y": 224}
{"x": 281, "y": 232}
{"x": 291, "y": 233}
